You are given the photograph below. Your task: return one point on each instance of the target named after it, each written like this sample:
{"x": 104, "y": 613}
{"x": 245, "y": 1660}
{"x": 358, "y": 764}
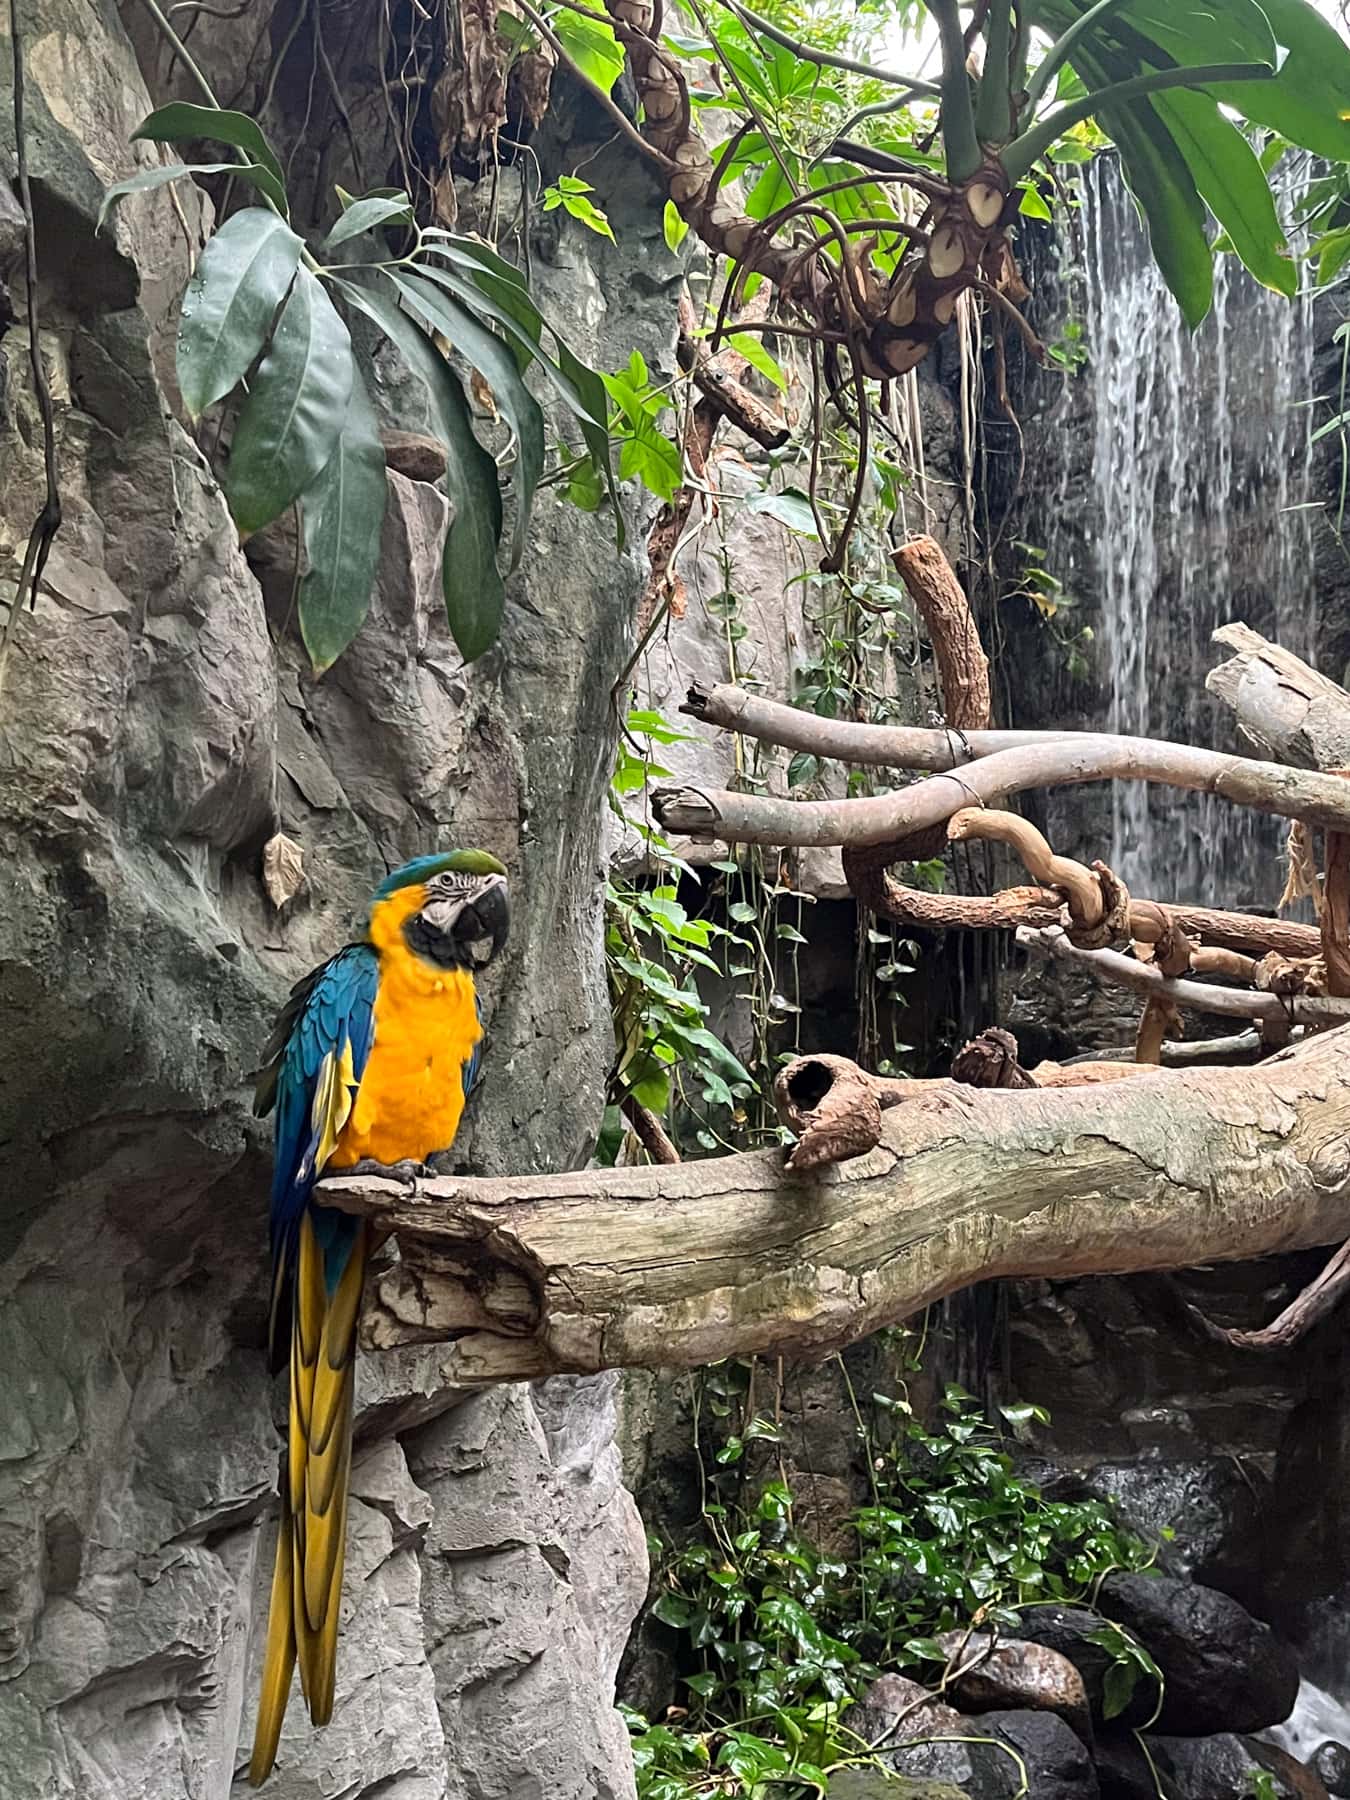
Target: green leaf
{"x": 803, "y": 769}
{"x": 494, "y": 362}
{"x": 1118, "y": 1687}
{"x": 240, "y": 280}
{"x": 159, "y": 176}
{"x": 1033, "y": 203}
{"x": 470, "y": 579}
{"x": 1174, "y": 213}
{"x": 1309, "y": 100}
{"x": 587, "y": 213}
{"x": 673, "y": 227}
{"x": 749, "y": 345}
{"x": 650, "y": 457}
{"x": 1333, "y": 252}
{"x": 183, "y": 123}
{"x": 791, "y": 508}
{"x": 289, "y": 424}
{"x": 343, "y": 511}
{"x": 366, "y": 214}
{"x": 591, "y": 45}
{"x": 1230, "y": 180}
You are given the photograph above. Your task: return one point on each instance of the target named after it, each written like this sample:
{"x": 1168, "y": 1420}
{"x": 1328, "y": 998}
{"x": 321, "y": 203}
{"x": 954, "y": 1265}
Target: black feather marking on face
{"x": 462, "y": 923}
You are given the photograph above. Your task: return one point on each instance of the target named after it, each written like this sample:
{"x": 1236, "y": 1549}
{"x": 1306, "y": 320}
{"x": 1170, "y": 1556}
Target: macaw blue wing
{"x": 470, "y": 1071}
{"x": 312, "y": 1068}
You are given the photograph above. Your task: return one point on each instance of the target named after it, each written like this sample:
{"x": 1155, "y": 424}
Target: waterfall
{"x": 1191, "y": 511}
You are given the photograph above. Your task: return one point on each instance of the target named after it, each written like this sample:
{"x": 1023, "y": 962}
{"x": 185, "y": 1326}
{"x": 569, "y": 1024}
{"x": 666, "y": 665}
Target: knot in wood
{"x": 1114, "y": 925}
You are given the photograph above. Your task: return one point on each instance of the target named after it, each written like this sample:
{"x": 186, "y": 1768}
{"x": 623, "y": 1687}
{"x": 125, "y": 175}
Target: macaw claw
{"x": 408, "y": 1170}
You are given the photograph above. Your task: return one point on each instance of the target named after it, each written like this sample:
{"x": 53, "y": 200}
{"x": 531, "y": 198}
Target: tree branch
{"x": 1233, "y": 1003}
{"x": 656, "y": 1267}
{"x": 763, "y": 819}
{"x": 1284, "y": 708}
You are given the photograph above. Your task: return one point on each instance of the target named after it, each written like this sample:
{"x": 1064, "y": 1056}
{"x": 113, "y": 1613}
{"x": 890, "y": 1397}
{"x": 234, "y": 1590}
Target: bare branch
{"x": 682, "y": 1265}
{"x": 1233, "y": 1003}
{"x": 1315, "y": 1302}
{"x": 880, "y": 819}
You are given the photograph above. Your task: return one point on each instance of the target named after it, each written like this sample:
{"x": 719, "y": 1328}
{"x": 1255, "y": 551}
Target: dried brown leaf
{"x": 283, "y": 869}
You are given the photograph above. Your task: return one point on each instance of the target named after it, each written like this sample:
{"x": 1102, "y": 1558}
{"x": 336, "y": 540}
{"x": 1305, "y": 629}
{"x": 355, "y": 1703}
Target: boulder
{"x": 1222, "y": 1669}
{"x": 983, "y": 1757}
{"x": 1331, "y": 1763}
{"x": 1013, "y": 1673}
{"x": 1223, "y": 1767}
{"x": 1068, "y": 1630}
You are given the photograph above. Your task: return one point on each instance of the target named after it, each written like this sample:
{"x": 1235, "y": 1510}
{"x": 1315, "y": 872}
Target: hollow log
{"x": 662, "y": 1266}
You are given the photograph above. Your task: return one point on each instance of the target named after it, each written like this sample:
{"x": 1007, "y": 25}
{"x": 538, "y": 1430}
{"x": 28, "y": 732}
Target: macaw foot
{"x": 408, "y": 1170}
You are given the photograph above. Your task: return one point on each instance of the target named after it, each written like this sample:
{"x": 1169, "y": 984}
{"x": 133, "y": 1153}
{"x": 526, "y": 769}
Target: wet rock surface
{"x": 1222, "y": 1669}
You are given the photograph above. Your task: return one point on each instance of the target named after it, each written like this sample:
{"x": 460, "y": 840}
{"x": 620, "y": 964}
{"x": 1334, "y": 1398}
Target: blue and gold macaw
{"x": 371, "y": 1062}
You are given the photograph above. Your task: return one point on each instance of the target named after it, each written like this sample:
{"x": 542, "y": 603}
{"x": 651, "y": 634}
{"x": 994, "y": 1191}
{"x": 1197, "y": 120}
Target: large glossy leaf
{"x": 1309, "y": 100}
{"x": 1231, "y": 181}
{"x": 162, "y": 174}
{"x": 470, "y": 579}
{"x": 240, "y": 280}
{"x": 1198, "y": 31}
{"x": 475, "y": 274}
{"x": 439, "y": 311}
{"x": 499, "y": 290}
{"x": 592, "y": 46}
{"x": 343, "y": 510}
{"x": 1158, "y": 178}
{"x": 288, "y": 426}
{"x": 183, "y": 123}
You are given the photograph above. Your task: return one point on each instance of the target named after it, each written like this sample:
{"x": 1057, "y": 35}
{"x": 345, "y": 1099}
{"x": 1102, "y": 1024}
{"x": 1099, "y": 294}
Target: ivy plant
{"x": 265, "y": 317}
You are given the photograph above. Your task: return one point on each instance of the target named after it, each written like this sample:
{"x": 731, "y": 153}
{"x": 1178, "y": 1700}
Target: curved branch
{"x": 874, "y": 746}
{"x": 676, "y": 1266}
{"x": 763, "y": 819}
{"x": 1232, "y": 1003}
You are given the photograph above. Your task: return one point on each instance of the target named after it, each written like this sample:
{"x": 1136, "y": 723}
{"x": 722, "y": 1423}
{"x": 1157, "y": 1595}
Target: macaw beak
{"x": 484, "y": 922}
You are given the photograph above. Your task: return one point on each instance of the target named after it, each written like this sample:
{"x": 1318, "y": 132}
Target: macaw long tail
{"x": 302, "y": 1620}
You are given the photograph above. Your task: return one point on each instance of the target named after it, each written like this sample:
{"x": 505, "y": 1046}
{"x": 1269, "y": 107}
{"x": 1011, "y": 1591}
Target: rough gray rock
{"x": 152, "y": 737}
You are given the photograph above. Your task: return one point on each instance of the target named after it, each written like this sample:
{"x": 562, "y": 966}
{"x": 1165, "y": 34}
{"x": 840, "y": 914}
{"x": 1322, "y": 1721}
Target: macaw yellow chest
{"x": 411, "y": 1095}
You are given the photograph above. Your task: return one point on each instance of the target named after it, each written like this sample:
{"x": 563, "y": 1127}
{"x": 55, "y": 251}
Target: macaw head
{"x": 455, "y": 905}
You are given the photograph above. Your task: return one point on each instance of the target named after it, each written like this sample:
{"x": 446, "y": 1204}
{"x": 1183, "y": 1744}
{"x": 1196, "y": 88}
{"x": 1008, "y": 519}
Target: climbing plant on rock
{"x": 263, "y": 317}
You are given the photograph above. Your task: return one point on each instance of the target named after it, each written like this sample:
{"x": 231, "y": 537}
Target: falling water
{"x": 1191, "y": 515}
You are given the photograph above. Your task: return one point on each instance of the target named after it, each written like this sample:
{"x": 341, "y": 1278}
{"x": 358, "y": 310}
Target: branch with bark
{"x": 1317, "y": 799}
{"x": 681, "y": 1265}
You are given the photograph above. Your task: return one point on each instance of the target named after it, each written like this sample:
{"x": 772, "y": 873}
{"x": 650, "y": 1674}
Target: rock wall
{"x": 155, "y": 726}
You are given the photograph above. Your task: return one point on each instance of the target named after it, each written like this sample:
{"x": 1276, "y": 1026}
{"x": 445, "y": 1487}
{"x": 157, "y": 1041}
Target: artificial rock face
{"x": 152, "y": 738}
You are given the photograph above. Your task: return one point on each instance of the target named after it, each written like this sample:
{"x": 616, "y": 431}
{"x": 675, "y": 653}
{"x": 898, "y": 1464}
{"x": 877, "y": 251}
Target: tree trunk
{"x": 536, "y": 1275}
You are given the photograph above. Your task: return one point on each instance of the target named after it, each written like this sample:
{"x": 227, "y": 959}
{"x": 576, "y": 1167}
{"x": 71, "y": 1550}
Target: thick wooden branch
{"x": 765, "y": 819}
{"x": 875, "y": 746}
{"x": 1233, "y": 1003}
{"x": 683, "y": 1265}
{"x": 963, "y": 667}
{"x": 1283, "y": 707}
{"x": 719, "y": 386}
